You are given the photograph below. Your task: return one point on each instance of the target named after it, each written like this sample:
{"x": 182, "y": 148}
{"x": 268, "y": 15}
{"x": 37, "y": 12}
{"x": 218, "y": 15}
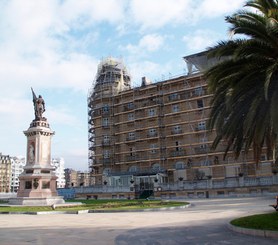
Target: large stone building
{"x": 5, "y": 173}
{"x": 157, "y": 134}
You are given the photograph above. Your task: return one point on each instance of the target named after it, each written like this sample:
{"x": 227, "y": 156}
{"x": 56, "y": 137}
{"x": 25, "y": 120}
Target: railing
{"x": 130, "y": 138}
{"x": 235, "y": 182}
{"x": 173, "y": 132}
{"x": 100, "y": 189}
{"x": 131, "y": 158}
{"x": 177, "y": 153}
{"x": 200, "y": 150}
{"x": 222, "y": 184}
{"x": 106, "y": 143}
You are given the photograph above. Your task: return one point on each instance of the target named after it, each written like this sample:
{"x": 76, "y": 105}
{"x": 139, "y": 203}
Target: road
{"x": 203, "y": 223}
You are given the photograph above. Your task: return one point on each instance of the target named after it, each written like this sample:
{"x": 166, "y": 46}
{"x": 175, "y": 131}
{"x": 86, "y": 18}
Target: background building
{"x": 17, "y": 164}
{"x": 59, "y": 165}
{"x": 77, "y": 178}
{"x": 157, "y": 134}
{"x": 5, "y": 173}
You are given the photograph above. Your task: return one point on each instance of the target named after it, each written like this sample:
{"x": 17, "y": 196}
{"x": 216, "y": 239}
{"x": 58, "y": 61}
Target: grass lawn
{"x": 100, "y": 205}
{"x": 260, "y": 221}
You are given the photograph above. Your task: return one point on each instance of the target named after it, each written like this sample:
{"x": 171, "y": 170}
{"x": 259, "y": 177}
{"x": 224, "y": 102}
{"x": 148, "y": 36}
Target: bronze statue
{"x": 39, "y": 106}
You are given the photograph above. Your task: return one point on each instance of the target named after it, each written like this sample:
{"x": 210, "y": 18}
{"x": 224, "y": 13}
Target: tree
{"x": 244, "y": 81}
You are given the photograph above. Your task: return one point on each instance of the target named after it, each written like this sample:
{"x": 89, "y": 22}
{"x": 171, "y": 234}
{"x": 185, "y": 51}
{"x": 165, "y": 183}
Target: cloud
{"x": 39, "y": 41}
{"x": 152, "y": 70}
{"x": 148, "y": 43}
{"x": 200, "y": 40}
{"x": 156, "y": 14}
{"x": 48, "y": 42}
{"x": 63, "y": 116}
{"x": 215, "y": 8}
{"x": 86, "y": 12}
{"x": 151, "y": 42}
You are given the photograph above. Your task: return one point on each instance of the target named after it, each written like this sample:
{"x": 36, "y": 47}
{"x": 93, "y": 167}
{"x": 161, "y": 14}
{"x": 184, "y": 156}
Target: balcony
{"x": 104, "y": 161}
{"x": 201, "y": 150}
{"x": 130, "y": 138}
{"x": 179, "y": 131}
{"x": 105, "y": 112}
{"x": 129, "y": 107}
{"x": 200, "y": 128}
{"x": 152, "y": 135}
{"x": 177, "y": 153}
{"x": 96, "y": 113}
{"x": 106, "y": 143}
{"x": 131, "y": 158}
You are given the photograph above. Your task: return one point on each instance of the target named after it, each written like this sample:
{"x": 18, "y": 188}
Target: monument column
{"x": 38, "y": 181}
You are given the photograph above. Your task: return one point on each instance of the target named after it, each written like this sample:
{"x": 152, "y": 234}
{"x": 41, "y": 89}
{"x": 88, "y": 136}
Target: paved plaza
{"x": 205, "y": 222}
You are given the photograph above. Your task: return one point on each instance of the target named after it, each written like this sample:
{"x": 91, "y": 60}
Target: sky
{"x": 55, "y": 46}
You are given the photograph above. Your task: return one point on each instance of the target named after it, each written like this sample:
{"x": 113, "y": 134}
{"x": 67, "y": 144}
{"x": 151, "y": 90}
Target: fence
{"x": 239, "y": 182}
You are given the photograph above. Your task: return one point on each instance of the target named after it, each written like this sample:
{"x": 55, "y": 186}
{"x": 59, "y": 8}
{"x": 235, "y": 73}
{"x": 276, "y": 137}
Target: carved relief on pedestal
{"x": 31, "y": 152}
{"x": 36, "y": 183}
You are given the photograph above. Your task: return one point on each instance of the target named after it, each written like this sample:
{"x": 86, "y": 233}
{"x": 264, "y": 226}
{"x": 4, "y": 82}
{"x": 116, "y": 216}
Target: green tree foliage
{"x": 244, "y": 81}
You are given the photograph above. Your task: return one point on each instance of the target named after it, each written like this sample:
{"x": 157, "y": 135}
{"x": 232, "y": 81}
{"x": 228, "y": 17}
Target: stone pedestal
{"x": 38, "y": 181}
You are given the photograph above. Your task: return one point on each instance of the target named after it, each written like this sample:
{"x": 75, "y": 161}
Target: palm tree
{"x": 245, "y": 81}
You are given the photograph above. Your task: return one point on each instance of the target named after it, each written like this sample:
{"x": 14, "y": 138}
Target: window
{"x": 178, "y": 148}
{"x": 106, "y": 154}
{"x": 131, "y": 136}
{"x": 180, "y": 165}
{"x": 204, "y": 141}
{"x": 130, "y": 116}
{"x": 105, "y": 122}
{"x": 156, "y": 167}
{"x": 175, "y": 108}
{"x": 130, "y": 105}
{"x": 153, "y": 148}
{"x": 152, "y": 132}
{"x": 198, "y": 91}
{"x": 263, "y": 157}
{"x": 106, "y": 138}
{"x": 200, "y": 103}
{"x": 173, "y": 97}
{"x": 131, "y": 151}
{"x": 105, "y": 109}
{"x": 133, "y": 169}
{"x": 201, "y": 126}
{"x": 177, "y": 129}
{"x": 205, "y": 162}
{"x": 152, "y": 112}
{"x": 106, "y": 171}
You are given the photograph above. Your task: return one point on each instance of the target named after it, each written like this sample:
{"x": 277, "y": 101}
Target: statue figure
{"x": 31, "y": 153}
{"x": 39, "y": 106}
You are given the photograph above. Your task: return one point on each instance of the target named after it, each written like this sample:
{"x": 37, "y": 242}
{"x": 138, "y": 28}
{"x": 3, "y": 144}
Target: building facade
{"x": 77, "y": 178}
{"x": 5, "y": 173}
{"x": 17, "y": 164}
{"x": 59, "y": 164}
{"x": 157, "y": 134}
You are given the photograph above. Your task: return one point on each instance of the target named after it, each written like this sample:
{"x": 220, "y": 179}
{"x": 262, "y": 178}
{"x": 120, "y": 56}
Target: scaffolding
{"x": 112, "y": 77}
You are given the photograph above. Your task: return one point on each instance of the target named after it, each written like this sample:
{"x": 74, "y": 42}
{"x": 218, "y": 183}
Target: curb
{"x": 254, "y": 232}
{"x": 101, "y": 211}
{"x": 140, "y": 210}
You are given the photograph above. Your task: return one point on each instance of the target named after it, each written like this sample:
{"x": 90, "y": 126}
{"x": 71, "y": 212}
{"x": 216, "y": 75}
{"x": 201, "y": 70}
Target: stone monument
{"x": 38, "y": 181}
